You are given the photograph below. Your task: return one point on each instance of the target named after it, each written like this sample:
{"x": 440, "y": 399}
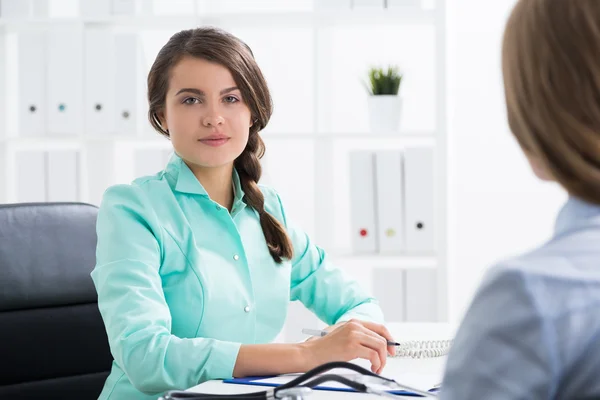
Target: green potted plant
{"x": 385, "y": 103}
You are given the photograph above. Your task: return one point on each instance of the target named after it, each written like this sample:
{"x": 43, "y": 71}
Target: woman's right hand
{"x": 354, "y": 339}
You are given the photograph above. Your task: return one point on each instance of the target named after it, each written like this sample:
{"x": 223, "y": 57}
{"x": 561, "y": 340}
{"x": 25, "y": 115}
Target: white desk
{"x": 396, "y": 368}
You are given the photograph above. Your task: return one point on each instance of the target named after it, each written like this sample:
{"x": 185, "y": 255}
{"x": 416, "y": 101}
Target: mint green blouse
{"x": 182, "y": 282}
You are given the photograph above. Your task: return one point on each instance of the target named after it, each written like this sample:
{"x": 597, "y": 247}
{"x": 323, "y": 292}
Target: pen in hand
{"x": 318, "y": 332}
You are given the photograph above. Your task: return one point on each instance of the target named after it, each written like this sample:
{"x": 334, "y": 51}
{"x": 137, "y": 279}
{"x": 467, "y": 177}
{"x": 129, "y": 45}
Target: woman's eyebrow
{"x": 190, "y": 90}
{"x": 201, "y": 93}
{"x": 228, "y": 90}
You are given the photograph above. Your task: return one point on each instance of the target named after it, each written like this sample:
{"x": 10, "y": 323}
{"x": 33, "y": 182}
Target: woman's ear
{"x": 160, "y": 115}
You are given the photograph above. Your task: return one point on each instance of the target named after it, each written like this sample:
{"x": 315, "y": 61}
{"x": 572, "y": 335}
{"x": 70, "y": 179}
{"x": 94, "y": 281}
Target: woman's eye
{"x": 191, "y": 100}
{"x": 231, "y": 99}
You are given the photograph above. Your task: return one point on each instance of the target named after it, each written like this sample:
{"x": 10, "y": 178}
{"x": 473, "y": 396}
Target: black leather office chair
{"x": 53, "y": 344}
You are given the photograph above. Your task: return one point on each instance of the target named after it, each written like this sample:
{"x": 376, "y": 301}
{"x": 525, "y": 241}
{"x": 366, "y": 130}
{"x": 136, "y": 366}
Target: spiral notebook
{"x": 407, "y": 348}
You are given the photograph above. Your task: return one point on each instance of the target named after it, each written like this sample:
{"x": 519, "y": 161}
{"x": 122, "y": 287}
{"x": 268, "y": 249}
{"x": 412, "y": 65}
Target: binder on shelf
{"x": 102, "y": 169}
{"x": 94, "y": 8}
{"x": 123, "y": 7}
{"x": 62, "y": 175}
{"x": 31, "y": 176}
{"x": 390, "y": 204}
{"x": 32, "y": 115}
{"x": 15, "y": 8}
{"x": 24, "y": 8}
{"x": 65, "y": 81}
{"x": 404, "y": 4}
{"x": 40, "y": 8}
{"x": 388, "y": 284}
{"x": 362, "y": 202}
{"x": 129, "y": 83}
{"x": 367, "y": 3}
{"x": 418, "y": 194}
{"x": 99, "y": 81}
{"x": 420, "y": 295}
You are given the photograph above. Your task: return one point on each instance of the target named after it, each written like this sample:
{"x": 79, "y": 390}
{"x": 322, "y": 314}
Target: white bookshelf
{"x": 105, "y": 160}
{"x": 316, "y": 18}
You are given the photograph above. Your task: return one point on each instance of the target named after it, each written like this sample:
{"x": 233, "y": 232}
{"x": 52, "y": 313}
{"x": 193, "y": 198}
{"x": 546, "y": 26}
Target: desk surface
{"x": 403, "y": 370}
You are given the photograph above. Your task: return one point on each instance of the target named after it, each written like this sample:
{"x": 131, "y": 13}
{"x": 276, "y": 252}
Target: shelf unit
{"x": 318, "y": 17}
{"x": 102, "y": 157}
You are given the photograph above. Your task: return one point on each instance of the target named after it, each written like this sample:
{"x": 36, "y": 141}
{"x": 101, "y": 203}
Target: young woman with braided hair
{"x": 197, "y": 264}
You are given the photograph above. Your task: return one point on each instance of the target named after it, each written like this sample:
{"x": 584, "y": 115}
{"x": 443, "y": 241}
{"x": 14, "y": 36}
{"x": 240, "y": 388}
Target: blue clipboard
{"x": 256, "y": 381}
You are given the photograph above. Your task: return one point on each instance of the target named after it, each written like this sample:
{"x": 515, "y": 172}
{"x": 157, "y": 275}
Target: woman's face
{"x": 207, "y": 118}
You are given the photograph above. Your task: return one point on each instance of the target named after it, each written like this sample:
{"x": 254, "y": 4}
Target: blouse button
{"x": 236, "y": 257}
{"x": 247, "y": 309}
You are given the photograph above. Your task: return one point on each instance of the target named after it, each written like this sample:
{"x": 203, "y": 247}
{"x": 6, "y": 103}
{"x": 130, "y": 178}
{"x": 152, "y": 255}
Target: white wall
{"x": 497, "y": 206}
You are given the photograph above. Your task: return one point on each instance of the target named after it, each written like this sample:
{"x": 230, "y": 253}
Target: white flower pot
{"x": 384, "y": 113}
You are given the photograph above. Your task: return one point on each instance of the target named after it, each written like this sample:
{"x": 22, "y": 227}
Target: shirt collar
{"x": 186, "y": 181}
{"x": 238, "y": 192}
{"x": 575, "y": 214}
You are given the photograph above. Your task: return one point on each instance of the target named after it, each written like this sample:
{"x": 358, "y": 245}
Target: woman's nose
{"x": 212, "y": 118}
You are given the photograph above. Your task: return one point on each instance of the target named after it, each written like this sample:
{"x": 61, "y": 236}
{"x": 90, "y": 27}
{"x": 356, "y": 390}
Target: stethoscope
{"x": 302, "y": 386}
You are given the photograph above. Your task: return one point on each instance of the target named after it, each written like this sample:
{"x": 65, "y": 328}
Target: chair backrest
{"x": 53, "y": 343}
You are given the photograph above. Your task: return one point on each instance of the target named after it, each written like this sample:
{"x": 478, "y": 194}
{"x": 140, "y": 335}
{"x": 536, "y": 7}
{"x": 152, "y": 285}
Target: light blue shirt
{"x": 182, "y": 283}
{"x": 533, "y": 328}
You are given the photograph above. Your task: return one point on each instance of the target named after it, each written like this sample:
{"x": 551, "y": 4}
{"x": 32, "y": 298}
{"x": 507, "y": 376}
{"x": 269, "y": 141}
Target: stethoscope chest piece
{"x": 295, "y": 393}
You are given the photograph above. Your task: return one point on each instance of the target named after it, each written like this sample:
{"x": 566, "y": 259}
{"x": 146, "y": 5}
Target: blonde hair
{"x": 551, "y": 68}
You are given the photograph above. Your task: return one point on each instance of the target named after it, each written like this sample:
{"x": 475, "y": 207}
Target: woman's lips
{"x": 215, "y": 142}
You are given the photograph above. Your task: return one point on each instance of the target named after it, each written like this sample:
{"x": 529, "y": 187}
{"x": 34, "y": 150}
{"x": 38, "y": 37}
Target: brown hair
{"x": 551, "y": 68}
{"x": 215, "y": 45}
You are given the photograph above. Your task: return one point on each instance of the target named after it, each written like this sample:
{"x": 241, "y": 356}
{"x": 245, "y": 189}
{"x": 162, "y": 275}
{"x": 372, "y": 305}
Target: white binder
{"x": 421, "y": 295}
{"x": 123, "y": 7}
{"x": 99, "y": 81}
{"x": 388, "y": 285}
{"x": 362, "y": 202}
{"x": 32, "y": 83}
{"x": 128, "y": 83}
{"x": 94, "y": 8}
{"x": 404, "y": 4}
{"x": 63, "y": 175}
{"x": 101, "y": 170}
{"x": 24, "y": 8}
{"x": 419, "y": 196}
{"x": 40, "y": 8}
{"x": 65, "y": 81}
{"x": 31, "y": 176}
{"x": 367, "y": 3}
{"x": 14, "y": 8}
{"x": 390, "y": 205}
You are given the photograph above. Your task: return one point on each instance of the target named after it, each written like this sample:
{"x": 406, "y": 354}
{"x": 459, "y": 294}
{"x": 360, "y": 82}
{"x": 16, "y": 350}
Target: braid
{"x": 249, "y": 169}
